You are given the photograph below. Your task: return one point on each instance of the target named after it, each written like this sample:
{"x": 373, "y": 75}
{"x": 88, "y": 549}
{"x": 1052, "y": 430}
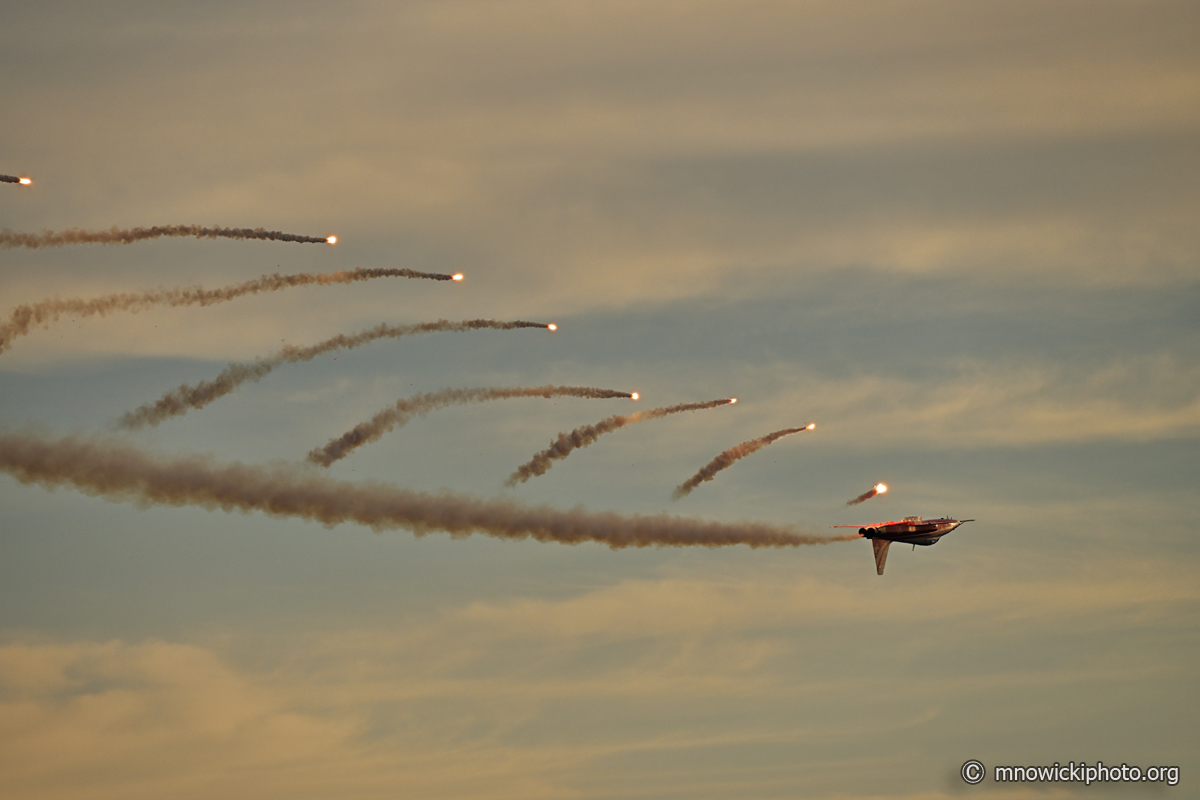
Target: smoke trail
{"x": 113, "y": 470}
{"x": 420, "y": 405}
{"x": 581, "y": 437}
{"x": 15, "y": 179}
{"x": 731, "y": 455}
{"x": 176, "y": 403}
{"x": 878, "y": 488}
{"x": 26, "y": 317}
{"x": 115, "y": 235}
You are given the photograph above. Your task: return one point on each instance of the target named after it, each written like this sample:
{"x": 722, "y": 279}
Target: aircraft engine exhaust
{"x": 420, "y": 405}
{"x": 177, "y": 402}
{"x": 561, "y": 447}
{"x": 15, "y": 179}
{"x": 726, "y": 459}
{"x": 25, "y": 318}
{"x": 878, "y": 488}
{"x": 115, "y": 235}
{"x": 109, "y": 468}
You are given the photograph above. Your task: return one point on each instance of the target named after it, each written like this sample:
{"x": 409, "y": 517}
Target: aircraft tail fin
{"x": 881, "y": 549}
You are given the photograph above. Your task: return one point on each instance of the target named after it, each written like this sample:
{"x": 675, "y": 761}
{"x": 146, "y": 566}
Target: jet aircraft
{"x": 910, "y": 530}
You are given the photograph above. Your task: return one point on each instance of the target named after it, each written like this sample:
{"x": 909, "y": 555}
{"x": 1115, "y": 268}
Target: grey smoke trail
{"x": 878, "y": 488}
{"x": 113, "y": 470}
{"x": 581, "y": 437}
{"x": 419, "y": 405}
{"x": 176, "y": 403}
{"x": 14, "y": 179}
{"x": 115, "y": 235}
{"x": 731, "y": 455}
{"x": 27, "y": 317}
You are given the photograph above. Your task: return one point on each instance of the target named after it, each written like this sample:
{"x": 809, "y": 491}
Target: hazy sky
{"x": 962, "y": 238}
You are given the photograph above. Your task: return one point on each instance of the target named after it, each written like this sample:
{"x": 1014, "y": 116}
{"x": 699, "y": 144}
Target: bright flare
{"x": 456, "y": 276}
{"x": 26, "y": 181}
{"x": 880, "y": 488}
{"x": 733, "y": 400}
{"x": 633, "y": 396}
{"x": 331, "y": 239}
{"x": 552, "y": 326}
{"x": 810, "y": 426}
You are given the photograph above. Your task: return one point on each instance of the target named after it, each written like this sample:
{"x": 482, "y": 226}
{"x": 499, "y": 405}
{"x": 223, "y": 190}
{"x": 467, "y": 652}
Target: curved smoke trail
{"x": 113, "y": 470}
{"x": 29, "y": 316}
{"x": 561, "y": 447}
{"x": 176, "y": 403}
{"x": 878, "y": 488}
{"x": 115, "y": 235}
{"x": 731, "y": 455}
{"x": 419, "y": 405}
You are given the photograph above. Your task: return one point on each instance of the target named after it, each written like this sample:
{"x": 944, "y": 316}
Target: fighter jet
{"x": 910, "y": 530}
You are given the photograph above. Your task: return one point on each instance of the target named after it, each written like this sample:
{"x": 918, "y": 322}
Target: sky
{"x": 962, "y": 239}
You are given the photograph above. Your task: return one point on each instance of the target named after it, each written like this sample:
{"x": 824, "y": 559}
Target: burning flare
{"x": 25, "y": 318}
{"x": 331, "y": 240}
{"x": 458, "y": 276}
{"x": 421, "y": 404}
{"x": 582, "y": 437}
{"x": 115, "y": 235}
{"x": 176, "y": 403}
{"x": 15, "y": 179}
{"x": 113, "y": 470}
{"x": 878, "y": 488}
{"x": 726, "y": 459}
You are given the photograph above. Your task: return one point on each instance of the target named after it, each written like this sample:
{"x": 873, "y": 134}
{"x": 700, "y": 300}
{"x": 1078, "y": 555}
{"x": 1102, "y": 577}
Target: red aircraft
{"x": 910, "y": 530}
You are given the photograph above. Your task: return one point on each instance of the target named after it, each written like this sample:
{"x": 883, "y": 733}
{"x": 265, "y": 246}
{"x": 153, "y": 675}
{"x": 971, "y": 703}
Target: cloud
{"x": 517, "y": 697}
{"x": 680, "y": 606}
{"x": 653, "y": 163}
{"x": 143, "y": 719}
{"x": 1143, "y": 398}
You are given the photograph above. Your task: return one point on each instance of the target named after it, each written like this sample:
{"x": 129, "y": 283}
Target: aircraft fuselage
{"x": 912, "y": 530}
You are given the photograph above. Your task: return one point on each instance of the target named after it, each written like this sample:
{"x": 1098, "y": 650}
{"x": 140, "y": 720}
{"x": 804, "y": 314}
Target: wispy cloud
{"x": 1008, "y": 404}
{"x": 510, "y": 698}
